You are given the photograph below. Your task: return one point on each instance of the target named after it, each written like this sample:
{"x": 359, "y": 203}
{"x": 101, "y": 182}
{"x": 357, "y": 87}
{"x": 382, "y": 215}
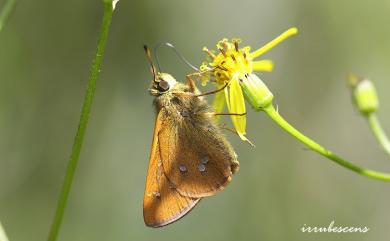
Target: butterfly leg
{"x": 238, "y": 114}
{"x": 225, "y": 127}
{"x": 199, "y": 74}
{"x": 191, "y": 83}
{"x": 212, "y": 92}
{"x": 217, "y": 114}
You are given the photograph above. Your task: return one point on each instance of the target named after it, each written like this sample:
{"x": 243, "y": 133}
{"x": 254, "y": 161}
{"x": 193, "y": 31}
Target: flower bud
{"x": 256, "y": 92}
{"x": 364, "y": 95}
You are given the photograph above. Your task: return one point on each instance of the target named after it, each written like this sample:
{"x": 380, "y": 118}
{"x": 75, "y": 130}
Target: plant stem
{"x": 7, "y": 9}
{"x": 86, "y": 109}
{"x": 274, "y": 115}
{"x": 3, "y": 236}
{"x": 379, "y": 132}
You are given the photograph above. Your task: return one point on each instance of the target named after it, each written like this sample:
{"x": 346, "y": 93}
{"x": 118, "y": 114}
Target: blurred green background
{"x": 45, "y": 55}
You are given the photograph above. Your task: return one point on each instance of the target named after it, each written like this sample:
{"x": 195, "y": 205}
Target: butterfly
{"x": 190, "y": 158}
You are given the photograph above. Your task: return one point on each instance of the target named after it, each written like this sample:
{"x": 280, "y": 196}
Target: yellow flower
{"x": 234, "y": 66}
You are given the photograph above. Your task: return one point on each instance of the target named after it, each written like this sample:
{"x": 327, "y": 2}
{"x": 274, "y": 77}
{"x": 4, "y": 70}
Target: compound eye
{"x": 163, "y": 85}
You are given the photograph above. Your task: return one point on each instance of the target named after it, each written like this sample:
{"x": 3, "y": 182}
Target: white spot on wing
{"x": 204, "y": 160}
{"x": 203, "y": 163}
{"x": 202, "y": 167}
{"x": 182, "y": 168}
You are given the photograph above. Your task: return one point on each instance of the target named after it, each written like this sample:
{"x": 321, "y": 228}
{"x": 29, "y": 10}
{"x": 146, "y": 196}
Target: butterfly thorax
{"x": 180, "y": 103}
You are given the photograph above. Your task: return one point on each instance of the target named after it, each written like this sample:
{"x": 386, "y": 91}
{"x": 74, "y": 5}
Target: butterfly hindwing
{"x": 196, "y": 157}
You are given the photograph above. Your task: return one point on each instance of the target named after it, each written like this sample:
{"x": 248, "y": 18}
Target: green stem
{"x": 274, "y": 115}
{"x": 86, "y": 109}
{"x": 3, "y": 236}
{"x": 379, "y": 132}
{"x": 7, "y": 9}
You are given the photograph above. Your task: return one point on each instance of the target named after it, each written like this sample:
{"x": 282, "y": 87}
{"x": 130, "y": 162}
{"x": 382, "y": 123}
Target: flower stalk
{"x": 278, "y": 119}
{"x": 379, "y": 132}
{"x": 9, "y": 6}
{"x": 84, "y": 117}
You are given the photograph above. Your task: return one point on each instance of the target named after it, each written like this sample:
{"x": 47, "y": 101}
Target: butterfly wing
{"x": 196, "y": 157}
{"x": 162, "y": 204}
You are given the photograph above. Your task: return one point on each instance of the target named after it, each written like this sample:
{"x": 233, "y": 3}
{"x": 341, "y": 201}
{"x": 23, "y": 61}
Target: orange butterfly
{"x": 190, "y": 158}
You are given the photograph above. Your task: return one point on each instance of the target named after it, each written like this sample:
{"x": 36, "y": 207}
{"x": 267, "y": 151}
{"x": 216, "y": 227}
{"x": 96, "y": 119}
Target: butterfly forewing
{"x": 163, "y": 204}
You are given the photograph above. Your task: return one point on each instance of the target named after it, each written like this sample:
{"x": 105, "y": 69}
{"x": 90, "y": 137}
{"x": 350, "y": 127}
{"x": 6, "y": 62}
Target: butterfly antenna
{"x": 182, "y": 58}
{"x": 152, "y": 67}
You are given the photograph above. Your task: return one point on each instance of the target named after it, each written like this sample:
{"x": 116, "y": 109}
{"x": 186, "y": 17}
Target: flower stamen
{"x": 236, "y": 46}
{"x": 222, "y": 51}
{"x": 209, "y": 53}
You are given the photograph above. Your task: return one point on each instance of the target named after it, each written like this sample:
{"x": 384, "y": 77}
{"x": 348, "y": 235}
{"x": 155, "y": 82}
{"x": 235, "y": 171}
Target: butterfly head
{"x": 162, "y": 82}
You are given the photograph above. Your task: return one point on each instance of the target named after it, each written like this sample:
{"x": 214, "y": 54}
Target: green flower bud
{"x": 364, "y": 95}
{"x": 256, "y": 92}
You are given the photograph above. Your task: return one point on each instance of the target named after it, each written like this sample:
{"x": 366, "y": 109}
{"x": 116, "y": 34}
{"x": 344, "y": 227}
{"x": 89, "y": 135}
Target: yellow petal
{"x": 219, "y": 103}
{"x": 263, "y": 65}
{"x": 237, "y": 106}
{"x": 226, "y": 90}
{"x": 290, "y": 32}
